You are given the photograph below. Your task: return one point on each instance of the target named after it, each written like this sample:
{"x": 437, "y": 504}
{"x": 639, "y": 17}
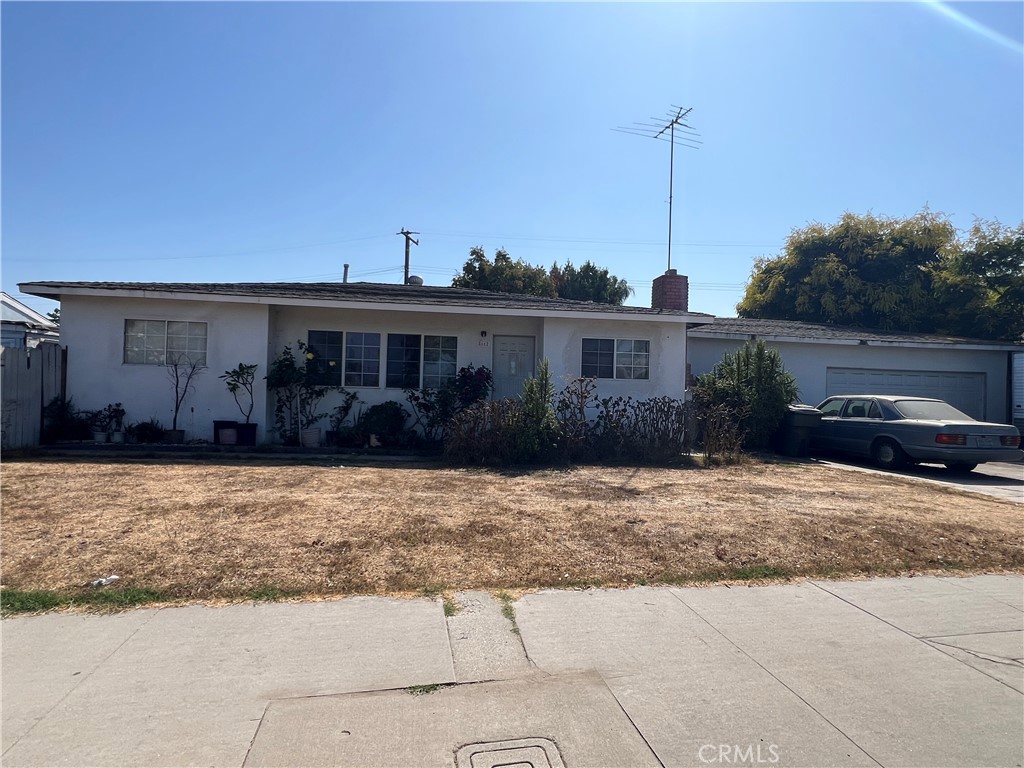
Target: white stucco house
{"x": 971, "y": 374}
{"x": 381, "y": 338}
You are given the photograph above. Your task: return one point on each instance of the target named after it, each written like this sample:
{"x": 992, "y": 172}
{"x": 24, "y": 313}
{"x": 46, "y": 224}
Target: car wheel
{"x": 961, "y": 468}
{"x": 888, "y": 454}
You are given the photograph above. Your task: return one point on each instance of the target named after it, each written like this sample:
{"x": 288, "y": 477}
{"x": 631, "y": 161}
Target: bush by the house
{"x": 385, "y": 422}
{"x": 151, "y": 431}
{"x": 63, "y": 421}
{"x": 434, "y": 408}
{"x": 754, "y": 385}
{"x": 299, "y": 388}
{"x": 542, "y": 426}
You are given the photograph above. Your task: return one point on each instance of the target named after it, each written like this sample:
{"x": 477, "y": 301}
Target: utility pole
{"x": 408, "y": 239}
{"x": 666, "y": 131}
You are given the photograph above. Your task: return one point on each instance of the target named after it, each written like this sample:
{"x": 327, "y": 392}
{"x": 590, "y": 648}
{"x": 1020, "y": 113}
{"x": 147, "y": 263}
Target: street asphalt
{"x": 921, "y": 671}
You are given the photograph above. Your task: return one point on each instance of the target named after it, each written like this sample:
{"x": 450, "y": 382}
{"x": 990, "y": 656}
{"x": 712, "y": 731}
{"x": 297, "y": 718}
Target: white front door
{"x": 514, "y": 360}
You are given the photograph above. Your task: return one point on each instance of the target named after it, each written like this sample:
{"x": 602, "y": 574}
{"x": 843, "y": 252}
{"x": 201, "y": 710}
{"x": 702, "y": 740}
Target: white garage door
{"x": 965, "y": 391}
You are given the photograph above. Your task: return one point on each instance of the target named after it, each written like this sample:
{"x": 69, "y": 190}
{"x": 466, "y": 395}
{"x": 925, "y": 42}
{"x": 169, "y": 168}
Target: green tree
{"x": 864, "y": 270}
{"x": 589, "y": 283}
{"x": 54, "y": 316}
{"x": 586, "y": 283}
{"x": 503, "y": 275}
{"x": 988, "y": 270}
{"x": 911, "y": 274}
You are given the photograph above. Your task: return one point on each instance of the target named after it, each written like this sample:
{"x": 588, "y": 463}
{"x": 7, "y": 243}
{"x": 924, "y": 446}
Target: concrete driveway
{"x": 1002, "y": 480}
{"x": 892, "y": 672}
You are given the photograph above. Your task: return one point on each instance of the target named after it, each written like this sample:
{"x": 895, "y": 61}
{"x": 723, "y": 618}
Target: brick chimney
{"x": 671, "y": 291}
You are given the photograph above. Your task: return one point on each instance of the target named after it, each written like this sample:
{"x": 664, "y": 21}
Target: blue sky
{"x": 262, "y": 142}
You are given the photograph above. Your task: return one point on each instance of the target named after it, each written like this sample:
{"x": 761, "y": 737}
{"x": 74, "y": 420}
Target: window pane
{"x": 326, "y": 347}
{"x": 598, "y": 358}
{"x": 632, "y": 359}
{"x": 362, "y": 351}
{"x": 403, "y": 360}
{"x": 440, "y": 355}
{"x": 144, "y": 342}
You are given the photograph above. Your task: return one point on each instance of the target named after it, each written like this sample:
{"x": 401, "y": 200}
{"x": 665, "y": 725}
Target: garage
{"x": 965, "y": 391}
{"x": 971, "y": 374}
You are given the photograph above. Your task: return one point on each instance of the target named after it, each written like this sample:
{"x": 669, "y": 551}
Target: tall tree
{"x": 909, "y": 274}
{"x": 587, "y": 283}
{"x": 503, "y": 275}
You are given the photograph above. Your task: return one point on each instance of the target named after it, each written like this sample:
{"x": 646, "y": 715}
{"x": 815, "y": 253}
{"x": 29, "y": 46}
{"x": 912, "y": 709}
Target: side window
{"x": 857, "y": 409}
{"x": 874, "y": 412}
{"x": 831, "y": 408}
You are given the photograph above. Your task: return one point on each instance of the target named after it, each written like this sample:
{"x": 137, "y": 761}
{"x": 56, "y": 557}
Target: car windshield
{"x": 933, "y": 410}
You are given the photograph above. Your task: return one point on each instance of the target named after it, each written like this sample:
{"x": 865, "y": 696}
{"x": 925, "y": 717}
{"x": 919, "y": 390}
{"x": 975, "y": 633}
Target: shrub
{"x": 298, "y": 391}
{"x": 386, "y": 421}
{"x": 489, "y": 432}
{"x": 151, "y": 431}
{"x": 572, "y": 410}
{"x": 62, "y": 421}
{"x": 754, "y": 385}
{"x": 433, "y": 409}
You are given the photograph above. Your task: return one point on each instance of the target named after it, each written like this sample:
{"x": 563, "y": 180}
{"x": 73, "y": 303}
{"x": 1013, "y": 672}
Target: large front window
{"x": 414, "y": 361}
{"x": 616, "y": 359}
{"x": 164, "y": 342}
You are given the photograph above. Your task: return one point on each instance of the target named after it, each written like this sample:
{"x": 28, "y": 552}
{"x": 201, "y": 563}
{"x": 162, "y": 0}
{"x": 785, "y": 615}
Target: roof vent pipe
{"x": 414, "y": 280}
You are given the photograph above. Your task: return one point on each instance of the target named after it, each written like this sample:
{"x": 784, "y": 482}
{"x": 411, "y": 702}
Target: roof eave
{"x": 47, "y": 291}
{"x": 1007, "y": 346}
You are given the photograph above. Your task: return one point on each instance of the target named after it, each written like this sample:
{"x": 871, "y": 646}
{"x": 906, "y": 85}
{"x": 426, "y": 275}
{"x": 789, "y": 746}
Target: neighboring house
{"x": 971, "y": 374}
{"x": 21, "y": 326}
{"x": 381, "y": 339}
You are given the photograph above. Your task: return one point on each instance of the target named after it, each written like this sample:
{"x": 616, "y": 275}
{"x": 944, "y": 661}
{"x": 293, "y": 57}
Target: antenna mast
{"x": 672, "y": 129}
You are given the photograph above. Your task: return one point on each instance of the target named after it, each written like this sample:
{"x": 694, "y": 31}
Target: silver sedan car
{"x": 894, "y": 430}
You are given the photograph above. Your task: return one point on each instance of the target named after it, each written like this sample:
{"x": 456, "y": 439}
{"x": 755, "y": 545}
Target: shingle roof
{"x": 799, "y": 330}
{"x": 384, "y": 293}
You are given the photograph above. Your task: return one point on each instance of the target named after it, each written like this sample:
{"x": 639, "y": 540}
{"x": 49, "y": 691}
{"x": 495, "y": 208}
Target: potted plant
{"x": 182, "y": 372}
{"x": 115, "y": 426}
{"x": 239, "y": 382}
{"x": 298, "y": 390}
{"x": 99, "y": 422}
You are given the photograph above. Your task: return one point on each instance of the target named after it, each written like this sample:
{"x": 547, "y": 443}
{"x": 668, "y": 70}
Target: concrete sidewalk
{"x": 893, "y": 672}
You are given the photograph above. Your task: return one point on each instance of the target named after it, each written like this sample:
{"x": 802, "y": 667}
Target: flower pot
{"x": 175, "y": 435}
{"x": 246, "y": 434}
{"x": 219, "y": 427}
{"x": 100, "y": 437}
{"x": 310, "y": 438}
{"x": 117, "y": 437}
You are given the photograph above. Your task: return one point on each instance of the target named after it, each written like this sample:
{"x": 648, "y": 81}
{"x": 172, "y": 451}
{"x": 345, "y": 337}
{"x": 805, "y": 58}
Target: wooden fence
{"x": 29, "y": 379}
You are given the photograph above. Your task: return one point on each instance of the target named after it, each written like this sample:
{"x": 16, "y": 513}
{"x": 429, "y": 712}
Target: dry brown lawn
{"x": 195, "y": 529}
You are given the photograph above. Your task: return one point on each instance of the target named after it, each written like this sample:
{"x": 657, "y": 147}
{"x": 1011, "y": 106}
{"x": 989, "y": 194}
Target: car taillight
{"x": 1010, "y": 441}
{"x": 945, "y": 439}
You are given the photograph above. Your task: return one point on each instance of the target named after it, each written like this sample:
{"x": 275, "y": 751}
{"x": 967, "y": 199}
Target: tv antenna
{"x": 672, "y": 129}
{"x": 408, "y": 239}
